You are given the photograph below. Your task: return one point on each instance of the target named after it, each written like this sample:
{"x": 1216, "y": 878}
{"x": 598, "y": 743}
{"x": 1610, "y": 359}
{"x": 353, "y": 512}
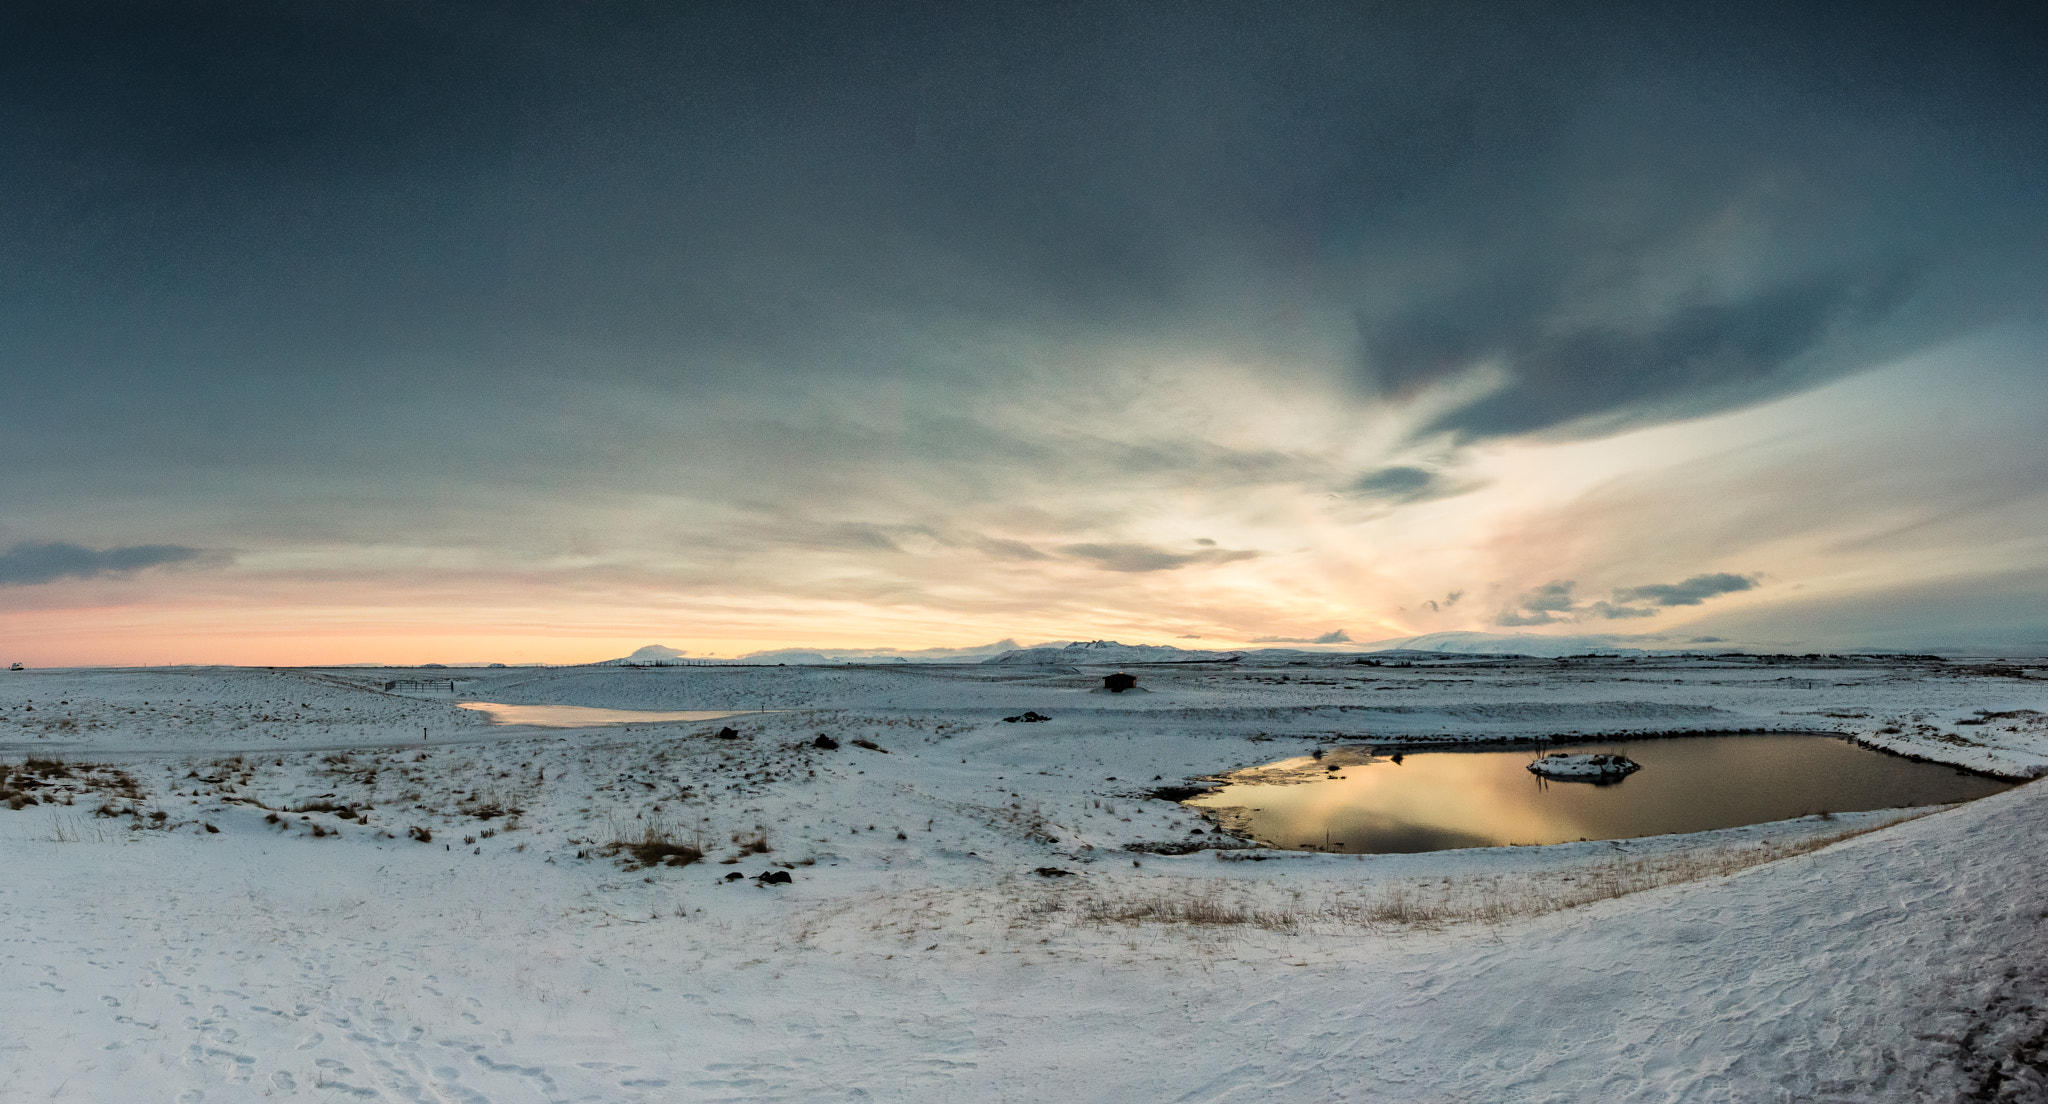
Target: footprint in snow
{"x": 311, "y": 1041}
{"x": 283, "y": 1081}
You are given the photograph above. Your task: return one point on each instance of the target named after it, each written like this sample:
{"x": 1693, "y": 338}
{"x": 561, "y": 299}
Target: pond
{"x": 1437, "y": 800}
{"x": 579, "y": 716}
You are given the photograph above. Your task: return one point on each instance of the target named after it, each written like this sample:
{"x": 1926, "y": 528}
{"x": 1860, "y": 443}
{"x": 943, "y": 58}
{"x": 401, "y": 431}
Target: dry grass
{"x": 1425, "y": 904}
{"x": 56, "y": 782}
{"x": 657, "y": 845}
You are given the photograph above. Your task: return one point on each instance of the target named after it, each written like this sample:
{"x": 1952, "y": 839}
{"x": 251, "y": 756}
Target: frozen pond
{"x": 578, "y": 716}
{"x": 1436, "y": 800}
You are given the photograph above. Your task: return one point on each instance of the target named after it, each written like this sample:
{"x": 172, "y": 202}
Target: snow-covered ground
{"x": 982, "y": 909}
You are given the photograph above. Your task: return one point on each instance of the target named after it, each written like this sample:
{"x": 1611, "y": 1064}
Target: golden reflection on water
{"x": 578, "y": 716}
{"x": 1436, "y": 800}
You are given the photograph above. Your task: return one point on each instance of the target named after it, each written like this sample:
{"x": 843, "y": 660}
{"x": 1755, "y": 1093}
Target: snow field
{"x": 515, "y": 956}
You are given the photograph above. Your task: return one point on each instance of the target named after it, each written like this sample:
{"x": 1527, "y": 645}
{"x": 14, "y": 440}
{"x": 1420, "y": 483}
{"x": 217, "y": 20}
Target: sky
{"x": 408, "y": 332}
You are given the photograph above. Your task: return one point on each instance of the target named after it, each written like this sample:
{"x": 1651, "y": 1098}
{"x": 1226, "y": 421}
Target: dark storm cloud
{"x": 28, "y": 564}
{"x": 357, "y": 236}
{"x": 1691, "y": 592}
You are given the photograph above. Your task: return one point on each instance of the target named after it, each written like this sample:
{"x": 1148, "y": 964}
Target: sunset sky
{"x": 414, "y": 332}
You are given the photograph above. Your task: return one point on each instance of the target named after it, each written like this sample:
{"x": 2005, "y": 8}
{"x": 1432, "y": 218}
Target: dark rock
{"x": 825, "y": 743}
{"x": 870, "y": 745}
{"x": 1053, "y": 872}
{"x": 728, "y": 733}
{"x": 773, "y": 877}
{"x": 734, "y": 876}
{"x": 1119, "y": 682}
{"x": 1029, "y": 716}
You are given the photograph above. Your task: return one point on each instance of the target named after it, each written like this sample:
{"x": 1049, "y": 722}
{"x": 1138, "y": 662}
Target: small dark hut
{"x": 1119, "y": 682}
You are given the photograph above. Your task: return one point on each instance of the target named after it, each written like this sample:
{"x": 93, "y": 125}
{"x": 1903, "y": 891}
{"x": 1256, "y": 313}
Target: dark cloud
{"x": 1554, "y": 601}
{"x": 1334, "y": 636}
{"x": 28, "y": 564}
{"x": 1691, "y": 592}
{"x": 1550, "y": 603}
{"x": 1403, "y": 484}
{"x": 1145, "y": 557}
{"x": 397, "y": 252}
{"x": 1695, "y": 357}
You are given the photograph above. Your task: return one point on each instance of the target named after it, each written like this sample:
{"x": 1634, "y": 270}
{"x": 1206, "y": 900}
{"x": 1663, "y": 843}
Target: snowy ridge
{"x": 1107, "y": 651}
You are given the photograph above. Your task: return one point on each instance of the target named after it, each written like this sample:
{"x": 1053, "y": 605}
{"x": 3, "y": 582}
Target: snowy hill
{"x": 1529, "y": 644}
{"x": 1106, "y": 651}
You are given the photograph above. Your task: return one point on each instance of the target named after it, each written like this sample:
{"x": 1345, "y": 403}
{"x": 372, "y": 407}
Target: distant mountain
{"x": 879, "y": 655}
{"x": 1528, "y": 644}
{"x": 656, "y": 655}
{"x": 1106, "y": 651}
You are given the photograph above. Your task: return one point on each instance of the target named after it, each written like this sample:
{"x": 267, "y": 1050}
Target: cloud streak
{"x": 1691, "y": 592}
{"x": 1131, "y": 557}
{"x": 1554, "y": 602}
{"x": 31, "y": 564}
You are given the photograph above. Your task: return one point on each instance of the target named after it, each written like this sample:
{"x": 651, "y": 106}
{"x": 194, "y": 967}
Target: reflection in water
{"x": 577, "y": 716}
{"x": 1432, "y": 801}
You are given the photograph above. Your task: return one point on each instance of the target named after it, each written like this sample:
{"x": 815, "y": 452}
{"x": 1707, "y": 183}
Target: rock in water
{"x": 1585, "y": 767}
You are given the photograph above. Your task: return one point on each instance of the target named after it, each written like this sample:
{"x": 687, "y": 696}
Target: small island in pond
{"x": 1585, "y": 768}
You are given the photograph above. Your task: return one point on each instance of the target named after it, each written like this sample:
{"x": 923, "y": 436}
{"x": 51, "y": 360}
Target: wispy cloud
{"x": 1145, "y": 557}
